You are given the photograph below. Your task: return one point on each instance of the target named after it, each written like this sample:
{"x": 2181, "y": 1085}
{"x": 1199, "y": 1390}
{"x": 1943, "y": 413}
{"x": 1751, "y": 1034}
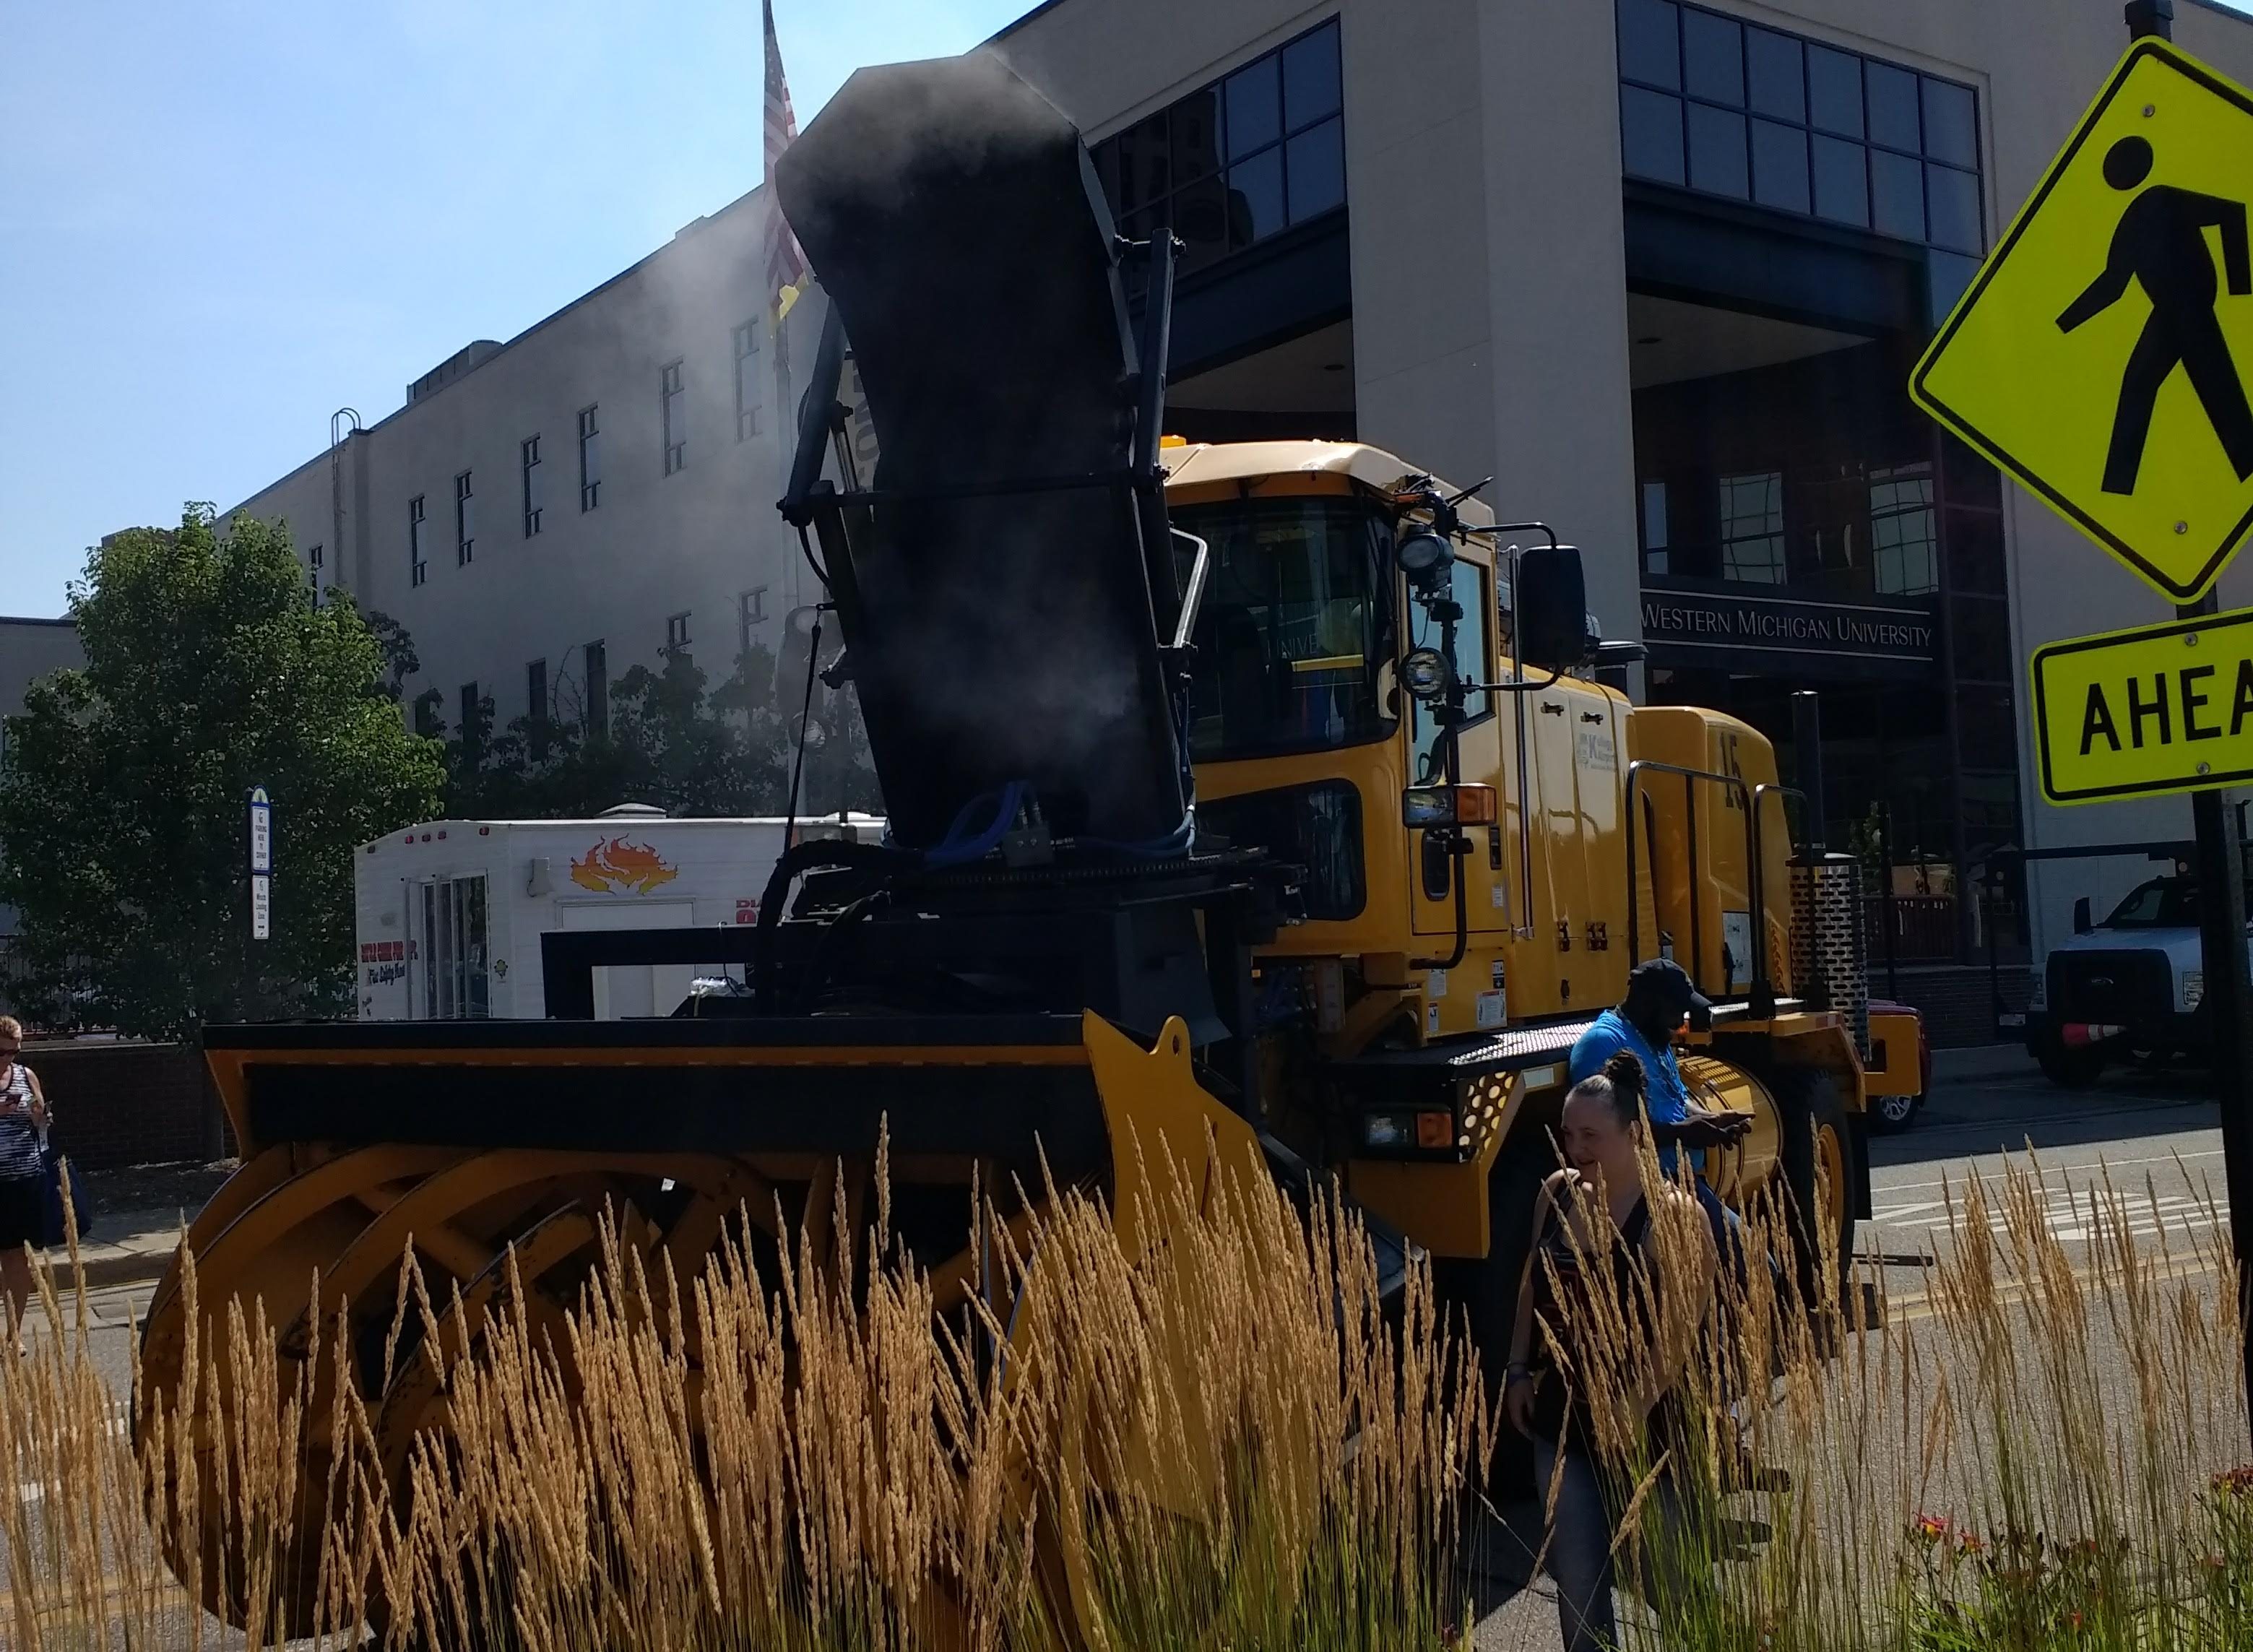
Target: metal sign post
{"x": 261, "y": 865}
{"x": 2221, "y": 926}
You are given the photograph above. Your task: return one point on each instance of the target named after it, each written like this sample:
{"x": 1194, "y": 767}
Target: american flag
{"x": 785, "y": 263}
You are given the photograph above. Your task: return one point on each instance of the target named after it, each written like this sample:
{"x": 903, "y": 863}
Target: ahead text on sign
{"x": 2166, "y": 707}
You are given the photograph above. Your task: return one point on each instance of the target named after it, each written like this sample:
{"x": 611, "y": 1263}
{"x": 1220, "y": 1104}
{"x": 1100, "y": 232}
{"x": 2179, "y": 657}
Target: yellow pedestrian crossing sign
{"x": 2102, "y": 355}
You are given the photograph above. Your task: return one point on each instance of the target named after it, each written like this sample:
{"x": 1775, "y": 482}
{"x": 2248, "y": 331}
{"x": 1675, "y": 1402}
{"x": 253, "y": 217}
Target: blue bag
{"x": 54, "y": 1233}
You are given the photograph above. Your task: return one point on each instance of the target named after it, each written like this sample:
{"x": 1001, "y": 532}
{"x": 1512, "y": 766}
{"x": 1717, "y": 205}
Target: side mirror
{"x": 1552, "y": 627}
{"x": 2082, "y": 921}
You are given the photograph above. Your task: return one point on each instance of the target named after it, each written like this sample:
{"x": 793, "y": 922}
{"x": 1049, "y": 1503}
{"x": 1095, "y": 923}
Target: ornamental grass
{"x": 1246, "y": 1438}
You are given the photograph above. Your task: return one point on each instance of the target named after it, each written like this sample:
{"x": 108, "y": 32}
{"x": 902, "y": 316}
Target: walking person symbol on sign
{"x": 2161, "y": 246}
{"x": 2103, "y": 351}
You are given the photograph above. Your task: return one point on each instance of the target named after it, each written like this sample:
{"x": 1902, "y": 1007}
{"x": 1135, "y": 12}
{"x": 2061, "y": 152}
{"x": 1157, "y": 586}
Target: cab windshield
{"x": 2164, "y": 903}
{"x": 1297, "y": 618}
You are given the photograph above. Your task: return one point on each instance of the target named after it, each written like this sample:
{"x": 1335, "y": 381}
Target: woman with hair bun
{"x": 1593, "y": 1232}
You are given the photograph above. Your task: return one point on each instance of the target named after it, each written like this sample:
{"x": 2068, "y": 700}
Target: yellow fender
{"x": 1157, "y": 1113}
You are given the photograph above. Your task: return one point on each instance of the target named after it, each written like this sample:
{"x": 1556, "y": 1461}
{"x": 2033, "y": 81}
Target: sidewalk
{"x": 131, "y": 1247}
{"x": 140, "y": 1212}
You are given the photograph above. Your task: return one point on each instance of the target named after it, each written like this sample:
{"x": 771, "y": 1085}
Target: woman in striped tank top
{"x": 23, "y": 1180}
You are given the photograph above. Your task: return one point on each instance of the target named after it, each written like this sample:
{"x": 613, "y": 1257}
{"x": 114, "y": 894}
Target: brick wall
{"x": 1957, "y": 1000}
{"x": 119, "y": 1103}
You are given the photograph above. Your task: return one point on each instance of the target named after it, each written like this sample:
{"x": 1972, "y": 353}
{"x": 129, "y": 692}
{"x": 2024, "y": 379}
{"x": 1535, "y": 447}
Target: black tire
{"x": 2068, "y": 1067}
{"x": 1817, "y": 1157}
{"x": 1891, "y": 1114}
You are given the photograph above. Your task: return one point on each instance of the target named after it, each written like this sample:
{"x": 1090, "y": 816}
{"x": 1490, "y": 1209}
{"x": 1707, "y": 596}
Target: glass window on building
{"x": 1732, "y": 110}
{"x": 1904, "y": 534}
{"x": 1654, "y": 527}
{"x": 1650, "y": 43}
{"x": 1776, "y": 76}
{"x": 1256, "y": 152}
{"x": 673, "y": 407}
{"x": 747, "y": 385}
{"x": 1751, "y": 528}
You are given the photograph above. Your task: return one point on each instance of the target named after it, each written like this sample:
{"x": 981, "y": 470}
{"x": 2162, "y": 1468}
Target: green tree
{"x": 673, "y": 742}
{"x": 122, "y": 807}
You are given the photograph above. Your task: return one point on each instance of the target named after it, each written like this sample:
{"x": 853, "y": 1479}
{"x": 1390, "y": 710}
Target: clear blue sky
{"x": 221, "y": 219}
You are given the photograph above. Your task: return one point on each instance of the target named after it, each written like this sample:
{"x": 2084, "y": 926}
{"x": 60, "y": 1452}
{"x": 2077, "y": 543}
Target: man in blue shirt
{"x": 1659, "y": 998}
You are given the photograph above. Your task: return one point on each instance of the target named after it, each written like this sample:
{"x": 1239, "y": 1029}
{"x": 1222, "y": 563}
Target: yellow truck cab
{"x": 1467, "y": 912}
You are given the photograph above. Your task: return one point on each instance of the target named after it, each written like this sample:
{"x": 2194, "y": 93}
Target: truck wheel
{"x": 1892, "y": 1113}
{"x": 1817, "y": 1162}
{"x": 2069, "y": 1067}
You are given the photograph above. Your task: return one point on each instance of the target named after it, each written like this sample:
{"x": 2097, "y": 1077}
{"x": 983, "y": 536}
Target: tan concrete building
{"x": 545, "y": 513}
{"x": 1659, "y": 269}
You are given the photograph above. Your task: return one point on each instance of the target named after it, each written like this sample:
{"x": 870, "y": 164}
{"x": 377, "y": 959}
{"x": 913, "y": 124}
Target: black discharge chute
{"x": 994, "y": 588}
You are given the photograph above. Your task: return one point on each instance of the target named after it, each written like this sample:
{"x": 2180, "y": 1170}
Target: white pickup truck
{"x": 2129, "y": 988}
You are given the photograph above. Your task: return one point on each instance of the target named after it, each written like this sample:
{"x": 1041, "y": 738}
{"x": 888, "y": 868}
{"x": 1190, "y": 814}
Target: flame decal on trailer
{"x": 620, "y": 867}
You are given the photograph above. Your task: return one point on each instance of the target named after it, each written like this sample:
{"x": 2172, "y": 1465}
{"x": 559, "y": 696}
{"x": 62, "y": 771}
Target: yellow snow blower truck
{"x": 1258, "y": 800}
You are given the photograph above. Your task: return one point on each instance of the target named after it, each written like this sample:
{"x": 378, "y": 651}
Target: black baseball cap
{"x": 1665, "y": 983}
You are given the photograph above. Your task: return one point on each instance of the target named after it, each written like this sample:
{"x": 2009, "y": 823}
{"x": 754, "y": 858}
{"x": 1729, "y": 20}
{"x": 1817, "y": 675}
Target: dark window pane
{"x": 1990, "y": 817}
{"x": 1310, "y": 77}
{"x": 1954, "y": 199}
{"x": 1981, "y": 640}
{"x": 1834, "y": 85}
{"x": 1714, "y": 58}
{"x": 1974, "y": 550}
{"x": 1255, "y": 106}
{"x": 1841, "y": 182}
{"x": 1948, "y": 274}
{"x": 1196, "y": 124}
{"x": 1967, "y": 478}
{"x": 1950, "y": 124}
{"x": 1778, "y": 83}
{"x": 1650, "y": 45}
{"x": 1201, "y": 219}
{"x": 1897, "y": 195}
{"x": 1780, "y": 166}
{"x": 1987, "y": 731}
{"x": 1717, "y": 151}
{"x": 1651, "y": 135}
{"x": 1145, "y": 163}
{"x": 1315, "y": 171}
{"x": 1892, "y": 107}
{"x": 1255, "y": 198}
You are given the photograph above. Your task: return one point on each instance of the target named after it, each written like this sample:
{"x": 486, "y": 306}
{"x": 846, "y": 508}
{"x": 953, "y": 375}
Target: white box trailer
{"x": 449, "y": 913}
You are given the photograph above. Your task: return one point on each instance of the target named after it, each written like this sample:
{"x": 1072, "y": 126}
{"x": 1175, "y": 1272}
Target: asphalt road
{"x": 2157, "y": 1133}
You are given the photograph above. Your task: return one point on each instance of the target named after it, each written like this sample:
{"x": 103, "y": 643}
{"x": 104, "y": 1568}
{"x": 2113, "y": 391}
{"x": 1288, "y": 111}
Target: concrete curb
{"x": 1982, "y": 1061}
{"x": 109, "y": 1268}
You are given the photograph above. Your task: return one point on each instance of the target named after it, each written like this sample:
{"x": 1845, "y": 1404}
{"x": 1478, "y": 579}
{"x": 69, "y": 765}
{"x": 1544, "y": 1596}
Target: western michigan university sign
{"x": 1719, "y": 622}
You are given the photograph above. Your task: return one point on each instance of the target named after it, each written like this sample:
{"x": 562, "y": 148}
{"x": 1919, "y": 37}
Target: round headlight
{"x": 1423, "y": 552}
{"x": 1424, "y": 673}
